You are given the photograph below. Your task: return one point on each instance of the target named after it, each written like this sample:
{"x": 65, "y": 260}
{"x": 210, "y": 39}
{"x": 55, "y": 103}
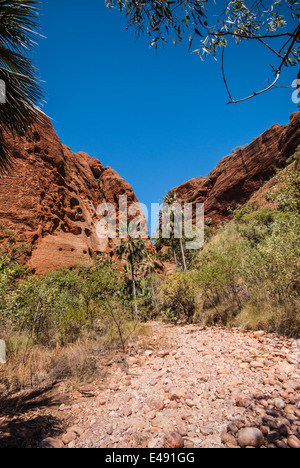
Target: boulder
{"x": 250, "y": 437}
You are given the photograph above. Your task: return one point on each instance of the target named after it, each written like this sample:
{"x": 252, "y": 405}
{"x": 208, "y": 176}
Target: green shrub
{"x": 273, "y": 268}
{"x": 177, "y": 298}
{"x": 249, "y": 273}
{"x": 256, "y": 225}
{"x": 243, "y": 210}
{"x": 286, "y": 195}
{"x": 295, "y": 156}
{"x": 219, "y": 273}
{"x": 209, "y": 222}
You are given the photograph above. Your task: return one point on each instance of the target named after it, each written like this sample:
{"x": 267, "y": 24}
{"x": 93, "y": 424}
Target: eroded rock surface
{"x": 238, "y": 176}
{"x": 50, "y": 200}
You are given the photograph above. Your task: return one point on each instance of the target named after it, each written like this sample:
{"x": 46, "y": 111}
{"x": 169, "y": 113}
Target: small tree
{"x": 134, "y": 252}
{"x": 148, "y": 268}
{"x": 108, "y": 296}
{"x": 173, "y": 200}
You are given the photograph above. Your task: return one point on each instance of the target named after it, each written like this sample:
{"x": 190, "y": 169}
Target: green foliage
{"x": 209, "y": 222}
{"x": 11, "y": 271}
{"x": 134, "y": 251}
{"x": 240, "y": 20}
{"x": 174, "y": 249}
{"x": 62, "y": 305}
{"x": 287, "y": 192}
{"x": 248, "y": 273}
{"x": 243, "y": 210}
{"x": 18, "y": 34}
{"x": 168, "y": 250}
{"x": 177, "y": 298}
{"x": 275, "y": 263}
{"x": 274, "y": 26}
{"x": 218, "y": 275}
{"x": 54, "y": 325}
{"x": 295, "y": 156}
{"x": 255, "y": 225}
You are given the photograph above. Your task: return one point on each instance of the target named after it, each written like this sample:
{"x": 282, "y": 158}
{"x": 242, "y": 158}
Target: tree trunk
{"x": 154, "y": 298}
{"x": 117, "y": 325}
{"x": 183, "y": 255}
{"x": 175, "y": 256}
{"x": 134, "y": 293}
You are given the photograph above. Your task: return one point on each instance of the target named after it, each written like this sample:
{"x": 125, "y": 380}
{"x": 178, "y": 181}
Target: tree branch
{"x": 224, "y": 76}
{"x": 256, "y": 93}
{"x": 277, "y": 73}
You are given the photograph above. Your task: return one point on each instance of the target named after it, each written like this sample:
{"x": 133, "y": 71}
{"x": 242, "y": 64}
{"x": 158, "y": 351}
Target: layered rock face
{"x": 51, "y": 196}
{"x": 239, "y": 175}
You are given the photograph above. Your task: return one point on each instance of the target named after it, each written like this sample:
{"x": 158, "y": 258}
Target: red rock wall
{"x": 50, "y": 199}
{"x": 242, "y": 173}
{"x": 51, "y": 195}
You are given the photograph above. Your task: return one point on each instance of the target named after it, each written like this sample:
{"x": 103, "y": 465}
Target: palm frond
{"x": 18, "y": 23}
{"x": 18, "y": 31}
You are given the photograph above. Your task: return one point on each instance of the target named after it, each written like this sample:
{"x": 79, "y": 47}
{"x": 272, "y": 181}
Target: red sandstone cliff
{"x": 51, "y": 196}
{"x": 242, "y": 173}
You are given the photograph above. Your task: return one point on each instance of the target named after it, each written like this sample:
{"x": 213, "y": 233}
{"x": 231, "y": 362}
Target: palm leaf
{"x": 18, "y": 31}
{"x": 18, "y": 23}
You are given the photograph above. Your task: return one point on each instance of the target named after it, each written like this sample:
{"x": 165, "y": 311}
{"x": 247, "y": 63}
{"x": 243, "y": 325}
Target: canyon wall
{"x": 50, "y": 200}
{"x": 238, "y": 176}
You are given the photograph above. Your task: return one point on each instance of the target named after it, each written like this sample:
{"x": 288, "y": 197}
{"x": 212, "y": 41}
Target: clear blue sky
{"x": 158, "y": 118}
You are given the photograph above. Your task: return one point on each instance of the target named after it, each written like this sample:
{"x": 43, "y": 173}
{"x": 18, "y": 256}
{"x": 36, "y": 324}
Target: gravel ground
{"x": 196, "y": 388}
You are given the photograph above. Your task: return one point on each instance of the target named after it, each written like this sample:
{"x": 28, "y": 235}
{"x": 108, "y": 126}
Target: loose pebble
{"x": 211, "y": 388}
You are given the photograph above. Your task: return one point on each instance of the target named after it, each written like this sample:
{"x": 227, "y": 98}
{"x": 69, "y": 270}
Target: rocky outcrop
{"x": 239, "y": 175}
{"x": 50, "y": 199}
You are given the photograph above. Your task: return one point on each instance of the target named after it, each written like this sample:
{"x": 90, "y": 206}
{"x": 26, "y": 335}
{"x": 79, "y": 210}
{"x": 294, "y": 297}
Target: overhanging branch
{"x": 294, "y": 39}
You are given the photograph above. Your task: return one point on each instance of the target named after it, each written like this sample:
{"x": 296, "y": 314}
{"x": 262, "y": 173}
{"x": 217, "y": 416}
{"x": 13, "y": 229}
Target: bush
{"x": 177, "y": 298}
{"x": 243, "y": 210}
{"x": 286, "y": 195}
{"x": 255, "y": 226}
{"x": 295, "y": 156}
{"x": 219, "y": 274}
{"x": 55, "y": 324}
{"x": 209, "y": 222}
{"x": 248, "y": 274}
{"x": 273, "y": 272}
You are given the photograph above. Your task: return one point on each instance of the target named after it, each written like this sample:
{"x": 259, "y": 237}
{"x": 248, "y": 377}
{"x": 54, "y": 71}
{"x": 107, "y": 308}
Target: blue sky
{"x": 157, "y": 117}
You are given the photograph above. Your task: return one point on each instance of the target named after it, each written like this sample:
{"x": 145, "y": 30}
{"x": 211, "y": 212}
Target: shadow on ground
{"x": 25, "y": 419}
